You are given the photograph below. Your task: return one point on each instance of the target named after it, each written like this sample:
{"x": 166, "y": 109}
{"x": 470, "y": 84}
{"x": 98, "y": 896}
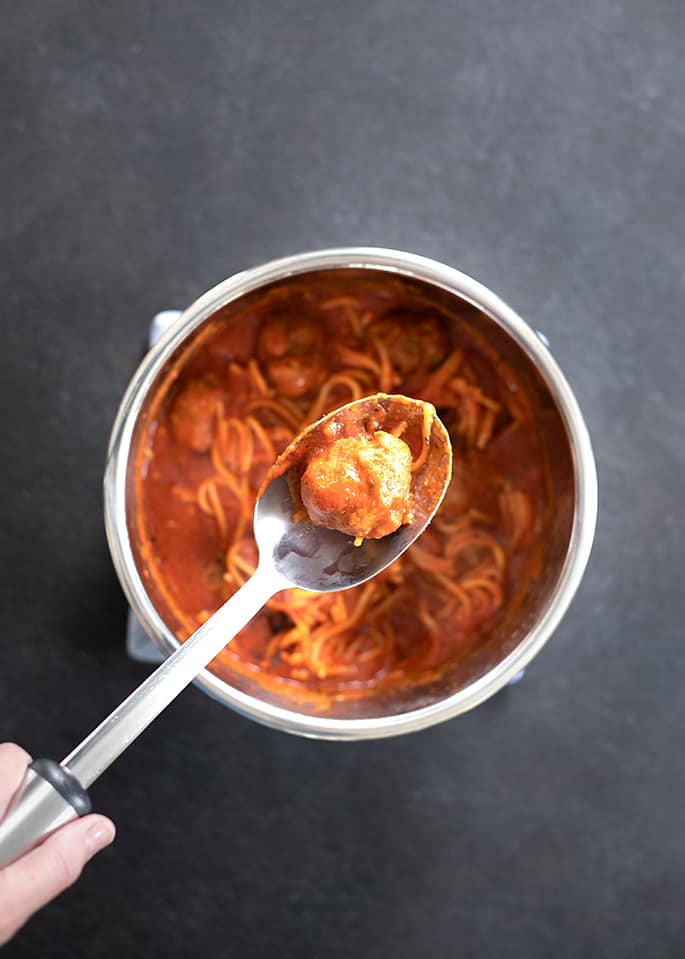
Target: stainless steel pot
{"x": 568, "y": 536}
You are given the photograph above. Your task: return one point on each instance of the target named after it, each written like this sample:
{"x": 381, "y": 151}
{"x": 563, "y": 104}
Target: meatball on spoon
{"x": 346, "y": 498}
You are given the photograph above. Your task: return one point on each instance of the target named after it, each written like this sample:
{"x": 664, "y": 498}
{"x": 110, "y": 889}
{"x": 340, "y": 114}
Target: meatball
{"x": 296, "y": 375}
{"x": 413, "y": 340}
{"x": 282, "y": 335}
{"x": 361, "y": 487}
{"x": 291, "y": 353}
{"x": 194, "y": 413}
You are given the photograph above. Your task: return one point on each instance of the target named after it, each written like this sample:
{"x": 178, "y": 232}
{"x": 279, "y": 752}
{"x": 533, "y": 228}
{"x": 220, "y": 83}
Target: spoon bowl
{"x": 323, "y": 560}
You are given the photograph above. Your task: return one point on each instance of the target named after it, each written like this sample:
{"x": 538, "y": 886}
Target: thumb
{"x": 45, "y": 871}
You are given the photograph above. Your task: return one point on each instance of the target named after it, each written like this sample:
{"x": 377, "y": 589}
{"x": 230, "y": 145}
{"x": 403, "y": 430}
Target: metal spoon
{"x": 290, "y": 554}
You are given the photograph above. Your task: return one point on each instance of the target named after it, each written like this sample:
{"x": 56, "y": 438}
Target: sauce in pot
{"x": 229, "y": 407}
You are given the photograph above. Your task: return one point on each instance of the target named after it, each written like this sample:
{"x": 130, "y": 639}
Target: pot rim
{"x": 436, "y": 274}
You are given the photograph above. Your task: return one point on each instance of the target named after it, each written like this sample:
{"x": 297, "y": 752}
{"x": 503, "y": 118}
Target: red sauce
{"x": 262, "y": 371}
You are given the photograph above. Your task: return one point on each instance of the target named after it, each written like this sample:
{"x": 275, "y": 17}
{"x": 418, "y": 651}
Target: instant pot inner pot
{"x": 515, "y": 619}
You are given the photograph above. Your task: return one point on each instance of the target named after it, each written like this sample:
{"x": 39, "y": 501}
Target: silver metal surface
{"x": 139, "y": 646}
{"x": 573, "y": 546}
{"x": 160, "y": 324}
{"x": 39, "y": 810}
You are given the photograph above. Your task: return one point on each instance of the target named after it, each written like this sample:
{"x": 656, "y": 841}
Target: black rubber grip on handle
{"x": 66, "y": 784}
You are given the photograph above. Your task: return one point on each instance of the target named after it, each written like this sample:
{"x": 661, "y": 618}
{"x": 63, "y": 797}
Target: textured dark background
{"x": 149, "y": 150}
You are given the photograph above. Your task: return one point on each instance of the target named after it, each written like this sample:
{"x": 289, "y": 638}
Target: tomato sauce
{"x": 262, "y": 370}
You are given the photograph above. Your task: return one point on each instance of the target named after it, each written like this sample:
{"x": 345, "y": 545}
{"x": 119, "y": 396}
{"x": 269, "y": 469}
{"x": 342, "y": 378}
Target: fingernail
{"x": 99, "y": 836}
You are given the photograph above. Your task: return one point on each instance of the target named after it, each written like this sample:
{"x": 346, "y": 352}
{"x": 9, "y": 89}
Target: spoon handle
{"x": 53, "y": 793}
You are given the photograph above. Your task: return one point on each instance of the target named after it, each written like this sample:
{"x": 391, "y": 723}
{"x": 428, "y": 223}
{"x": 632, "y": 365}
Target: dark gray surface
{"x": 148, "y": 151}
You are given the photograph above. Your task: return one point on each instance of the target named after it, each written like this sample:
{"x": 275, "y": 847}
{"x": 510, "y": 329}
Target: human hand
{"x": 39, "y": 875}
